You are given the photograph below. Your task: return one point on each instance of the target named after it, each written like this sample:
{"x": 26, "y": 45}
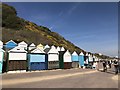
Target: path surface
{"x": 71, "y": 78}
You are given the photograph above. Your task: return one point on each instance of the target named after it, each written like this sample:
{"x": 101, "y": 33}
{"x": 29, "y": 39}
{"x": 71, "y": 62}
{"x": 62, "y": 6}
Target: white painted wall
{"x": 17, "y": 56}
{"x": 1, "y": 56}
{"x": 1, "y": 44}
{"x": 53, "y": 57}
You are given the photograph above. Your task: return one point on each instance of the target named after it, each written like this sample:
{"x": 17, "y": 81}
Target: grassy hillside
{"x": 18, "y": 29}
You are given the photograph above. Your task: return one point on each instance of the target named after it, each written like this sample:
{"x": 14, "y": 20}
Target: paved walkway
{"x": 71, "y": 78}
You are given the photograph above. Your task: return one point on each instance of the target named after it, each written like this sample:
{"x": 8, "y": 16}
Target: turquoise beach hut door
{"x": 1, "y": 59}
{"x": 81, "y": 59}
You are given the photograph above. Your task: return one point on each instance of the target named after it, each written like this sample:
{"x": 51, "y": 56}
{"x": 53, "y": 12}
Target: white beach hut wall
{"x": 1, "y": 44}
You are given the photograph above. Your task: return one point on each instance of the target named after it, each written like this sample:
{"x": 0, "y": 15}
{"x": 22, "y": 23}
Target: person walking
{"x": 119, "y": 65}
{"x": 104, "y": 66}
{"x": 116, "y": 66}
{"x": 109, "y": 64}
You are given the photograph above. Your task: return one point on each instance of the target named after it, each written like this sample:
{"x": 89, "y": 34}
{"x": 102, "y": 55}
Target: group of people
{"x": 108, "y": 64}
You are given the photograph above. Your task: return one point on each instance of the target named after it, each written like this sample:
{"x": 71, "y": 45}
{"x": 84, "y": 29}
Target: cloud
{"x": 55, "y": 23}
{"x": 73, "y": 8}
{"x": 60, "y": 14}
{"x": 51, "y": 27}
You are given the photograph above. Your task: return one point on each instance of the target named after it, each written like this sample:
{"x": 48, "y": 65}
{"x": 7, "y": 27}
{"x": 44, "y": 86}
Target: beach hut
{"x": 53, "y": 57}
{"x": 23, "y": 44}
{"x": 67, "y": 60}
{"x": 61, "y": 59}
{"x": 31, "y": 46}
{"x": 40, "y": 46}
{"x": 1, "y": 44}
{"x": 37, "y": 60}
{"x": 17, "y": 59}
{"x": 81, "y": 59}
{"x": 1, "y": 59}
{"x": 10, "y": 44}
{"x": 61, "y": 51}
{"x": 75, "y": 60}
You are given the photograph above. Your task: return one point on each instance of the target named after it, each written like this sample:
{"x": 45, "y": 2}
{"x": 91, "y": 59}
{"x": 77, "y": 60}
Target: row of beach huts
{"x": 21, "y": 56}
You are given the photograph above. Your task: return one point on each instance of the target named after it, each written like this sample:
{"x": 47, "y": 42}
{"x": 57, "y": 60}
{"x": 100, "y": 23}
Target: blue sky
{"x": 89, "y": 25}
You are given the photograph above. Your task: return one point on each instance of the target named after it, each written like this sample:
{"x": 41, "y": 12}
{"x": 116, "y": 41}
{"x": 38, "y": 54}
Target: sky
{"x": 92, "y": 26}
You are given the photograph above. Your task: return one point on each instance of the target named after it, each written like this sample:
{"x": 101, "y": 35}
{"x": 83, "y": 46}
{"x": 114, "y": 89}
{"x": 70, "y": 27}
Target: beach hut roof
{"x": 62, "y": 49}
{"x": 89, "y": 54}
{"x": 17, "y": 49}
{"x": 53, "y": 50}
{"x": 47, "y": 46}
{"x": 37, "y": 50}
{"x": 10, "y": 42}
{"x": 40, "y": 45}
{"x": 67, "y": 53}
{"x": 32, "y": 45}
{"x": 81, "y": 53}
{"x": 58, "y": 48}
{"x": 22, "y": 43}
{"x": 74, "y": 53}
{"x": 46, "y": 50}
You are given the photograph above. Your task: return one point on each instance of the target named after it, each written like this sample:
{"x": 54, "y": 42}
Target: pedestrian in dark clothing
{"x": 119, "y": 65}
{"x": 109, "y": 63}
{"x": 104, "y": 66}
{"x": 116, "y": 66}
